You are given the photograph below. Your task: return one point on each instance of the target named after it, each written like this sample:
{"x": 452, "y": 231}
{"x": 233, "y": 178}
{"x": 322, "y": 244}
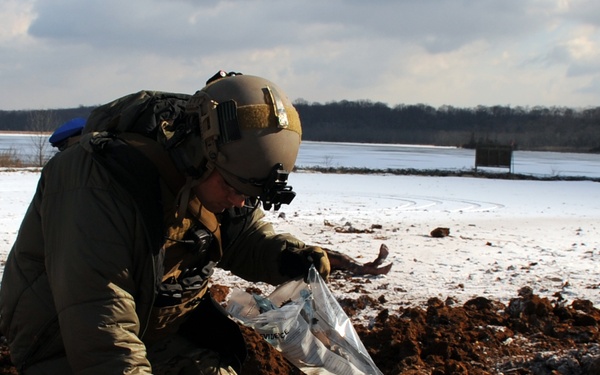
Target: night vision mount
{"x": 276, "y": 191}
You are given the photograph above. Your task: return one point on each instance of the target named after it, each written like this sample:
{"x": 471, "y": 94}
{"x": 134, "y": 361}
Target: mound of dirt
{"x": 530, "y": 335}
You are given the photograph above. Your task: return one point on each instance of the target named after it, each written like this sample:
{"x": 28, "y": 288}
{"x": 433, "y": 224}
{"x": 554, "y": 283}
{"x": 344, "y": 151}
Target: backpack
{"x": 140, "y": 113}
{"x": 126, "y": 144}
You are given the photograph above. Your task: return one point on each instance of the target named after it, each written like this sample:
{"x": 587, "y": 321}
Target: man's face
{"x": 216, "y": 195}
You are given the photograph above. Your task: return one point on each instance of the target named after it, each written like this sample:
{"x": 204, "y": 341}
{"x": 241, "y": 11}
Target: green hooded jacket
{"x": 80, "y": 280}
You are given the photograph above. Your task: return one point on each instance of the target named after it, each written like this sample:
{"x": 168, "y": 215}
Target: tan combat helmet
{"x": 246, "y": 128}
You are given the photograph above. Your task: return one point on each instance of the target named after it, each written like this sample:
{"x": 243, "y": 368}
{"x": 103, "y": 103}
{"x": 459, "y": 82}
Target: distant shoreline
{"x": 401, "y": 172}
{"x": 444, "y": 173}
{"x": 540, "y": 149}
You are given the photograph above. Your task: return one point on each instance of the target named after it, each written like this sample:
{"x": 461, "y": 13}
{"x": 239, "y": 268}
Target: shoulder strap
{"x": 153, "y": 151}
{"x": 138, "y": 176}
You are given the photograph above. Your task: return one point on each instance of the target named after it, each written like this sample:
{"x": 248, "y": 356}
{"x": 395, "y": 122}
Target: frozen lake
{"x": 383, "y": 156}
{"x": 386, "y": 156}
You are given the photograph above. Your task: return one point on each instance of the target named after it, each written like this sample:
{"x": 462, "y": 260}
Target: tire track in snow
{"x": 428, "y": 203}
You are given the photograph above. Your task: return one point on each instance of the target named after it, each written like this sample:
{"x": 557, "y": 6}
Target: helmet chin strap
{"x": 183, "y": 199}
{"x": 184, "y": 195}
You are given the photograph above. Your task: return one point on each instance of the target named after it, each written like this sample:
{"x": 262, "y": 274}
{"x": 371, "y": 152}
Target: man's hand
{"x": 319, "y": 258}
{"x": 295, "y": 262}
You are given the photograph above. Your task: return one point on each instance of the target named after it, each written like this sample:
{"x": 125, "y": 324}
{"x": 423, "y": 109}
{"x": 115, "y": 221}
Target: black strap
{"x": 138, "y": 176}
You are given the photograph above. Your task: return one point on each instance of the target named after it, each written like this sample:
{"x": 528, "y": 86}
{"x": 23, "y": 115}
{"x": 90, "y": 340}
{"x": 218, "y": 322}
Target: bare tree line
{"x": 527, "y": 128}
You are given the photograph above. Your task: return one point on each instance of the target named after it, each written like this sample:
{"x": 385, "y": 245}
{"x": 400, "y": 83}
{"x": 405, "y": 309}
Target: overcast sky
{"x": 463, "y": 53}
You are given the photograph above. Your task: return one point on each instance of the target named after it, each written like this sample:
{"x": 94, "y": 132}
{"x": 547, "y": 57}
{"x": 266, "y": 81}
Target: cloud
{"x": 593, "y": 87}
{"x": 584, "y": 11}
{"x": 15, "y": 17}
{"x": 71, "y": 52}
{"x": 218, "y": 25}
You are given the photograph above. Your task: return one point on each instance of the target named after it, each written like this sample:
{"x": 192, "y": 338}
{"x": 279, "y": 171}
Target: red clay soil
{"x": 531, "y": 335}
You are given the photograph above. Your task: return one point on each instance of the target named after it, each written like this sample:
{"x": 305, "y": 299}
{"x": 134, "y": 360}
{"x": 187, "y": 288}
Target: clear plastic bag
{"x": 305, "y": 322}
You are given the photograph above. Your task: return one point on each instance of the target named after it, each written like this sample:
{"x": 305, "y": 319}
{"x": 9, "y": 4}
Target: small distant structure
{"x": 494, "y": 156}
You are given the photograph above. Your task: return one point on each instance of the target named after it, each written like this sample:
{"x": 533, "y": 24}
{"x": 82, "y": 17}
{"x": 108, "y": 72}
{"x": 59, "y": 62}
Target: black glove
{"x": 296, "y": 262}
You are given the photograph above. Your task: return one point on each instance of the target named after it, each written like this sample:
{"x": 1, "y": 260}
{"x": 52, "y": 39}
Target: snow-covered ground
{"x": 504, "y": 234}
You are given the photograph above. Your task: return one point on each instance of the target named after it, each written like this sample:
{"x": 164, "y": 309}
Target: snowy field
{"x": 504, "y": 234}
